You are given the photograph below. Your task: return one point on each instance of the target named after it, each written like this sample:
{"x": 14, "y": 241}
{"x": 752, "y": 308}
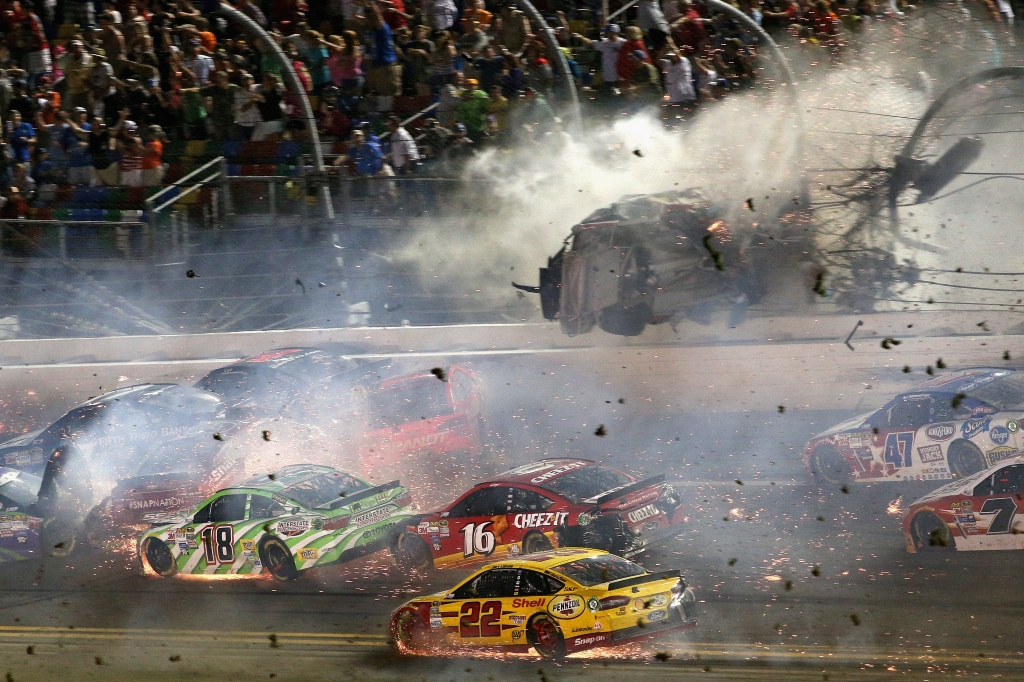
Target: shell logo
{"x": 566, "y": 607}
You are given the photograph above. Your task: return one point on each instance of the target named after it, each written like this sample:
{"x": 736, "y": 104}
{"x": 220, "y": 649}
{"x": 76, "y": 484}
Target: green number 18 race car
{"x": 282, "y": 523}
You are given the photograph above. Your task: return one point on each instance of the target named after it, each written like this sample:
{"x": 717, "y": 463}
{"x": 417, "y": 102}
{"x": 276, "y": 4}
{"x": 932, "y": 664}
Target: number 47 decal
{"x": 899, "y": 448}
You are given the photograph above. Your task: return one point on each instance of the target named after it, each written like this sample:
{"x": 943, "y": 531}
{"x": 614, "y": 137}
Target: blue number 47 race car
{"x": 950, "y": 427}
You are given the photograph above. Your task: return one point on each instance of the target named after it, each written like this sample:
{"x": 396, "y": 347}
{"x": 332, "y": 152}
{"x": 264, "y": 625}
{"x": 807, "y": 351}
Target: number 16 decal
{"x": 478, "y": 540}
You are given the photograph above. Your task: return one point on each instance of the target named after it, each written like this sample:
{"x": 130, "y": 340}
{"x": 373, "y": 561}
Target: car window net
{"x": 323, "y": 489}
{"x": 584, "y": 484}
{"x": 408, "y": 402}
{"x": 599, "y": 569}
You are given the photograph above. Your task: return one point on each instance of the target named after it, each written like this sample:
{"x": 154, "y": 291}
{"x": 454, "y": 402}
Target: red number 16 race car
{"x": 550, "y": 503}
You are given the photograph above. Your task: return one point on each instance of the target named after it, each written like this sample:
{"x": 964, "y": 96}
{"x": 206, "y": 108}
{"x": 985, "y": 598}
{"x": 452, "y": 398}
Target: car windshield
{"x": 583, "y": 484}
{"x": 1003, "y": 393}
{"x": 408, "y": 402}
{"x": 599, "y": 569}
{"x": 20, "y": 487}
{"x": 323, "y": 489}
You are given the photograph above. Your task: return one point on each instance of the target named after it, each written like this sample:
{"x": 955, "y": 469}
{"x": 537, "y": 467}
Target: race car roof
{"x": 286, "y": 477}
{"x": 549, "y": 558}
{"x": 163, "y": 395}
{"x": 542, "y": 470}
{"x": 963, "y": 381}
{"x": 417, "y": 375}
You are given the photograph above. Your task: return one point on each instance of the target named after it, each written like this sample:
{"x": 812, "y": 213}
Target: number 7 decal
{"x": 1004, "y": 509}
{"x": 899, "y": 449}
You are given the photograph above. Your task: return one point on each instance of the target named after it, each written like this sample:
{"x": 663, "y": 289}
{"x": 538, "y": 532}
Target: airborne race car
{"x": 302, "y": 516}
{"x": 980, "y": 512}
{"x": 550, "y": 503}
{"x": 647, "y": 259}
{"x": 557, "y": 602}
{"x": 951, "y": 427}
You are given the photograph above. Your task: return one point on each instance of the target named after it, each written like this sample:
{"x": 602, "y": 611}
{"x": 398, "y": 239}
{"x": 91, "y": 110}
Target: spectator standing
{"x": 419, "y": 52}
{"x": 678, "y": 79}
{"x": 104, "y": 170}
{"x": 609, "y": 46}
{"x": 350, "y": 62}
{"x": 76, "y": 75}
{"x": 515, "y": 28}
{"x": 384, "y": 78}
{"x": 152, "y": 157}
{"x": 450, "y": 98}
{"x": 473, "y": 108}
{"x": 646, "y": 84}
{"x": 222, "y": 111}
{"x": 247, "y": 113}
{"x": 131, "y": 149}
{"x": 111, "y": 39}
{"x": 37, "y": 49}
{"x": 651, "y": 20}
{"x": 21, "y": 136}
{"x": 316, "y": 60}
{"x": 101, "y": 75}
{"x": 199, "y": 64}
{"x": 435, "y": 138}
{"x": 192, "y": 109}
{"x": 268, "y": 101}
{"x": 403, "y": 147}
{"x": 626, "y": 64}
{"x": 81, "y": 12}
{"x": 476, "y": 12}
{"x": 443, "y": 14}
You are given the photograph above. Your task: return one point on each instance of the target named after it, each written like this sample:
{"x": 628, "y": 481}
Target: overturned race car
{"x": 649, "y": 259}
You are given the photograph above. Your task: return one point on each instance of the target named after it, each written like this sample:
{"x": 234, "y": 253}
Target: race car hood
{"x": 954, "y": 488}
{"x": 850, "y": 424}
{"x": 22, "y": 440}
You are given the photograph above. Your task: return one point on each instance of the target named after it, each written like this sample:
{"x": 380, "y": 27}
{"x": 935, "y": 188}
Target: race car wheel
{"x": 409, "y": 631}
{"x": 59, "y": 536}
{"x": 536, "y": 542}
{"x": 546, "y": 637}
{"x": 965, "y": 459}
{"x": 829, "y": 467}
{"x": 278, "y": 559}
{"x": 159, "y": 557}
{"x": 411, "y": 553}
{"x": 625, "y": 320}
{"x": 931, "y": 533}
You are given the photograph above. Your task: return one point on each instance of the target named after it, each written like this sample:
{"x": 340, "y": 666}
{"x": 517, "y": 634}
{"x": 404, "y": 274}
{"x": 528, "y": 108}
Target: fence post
{"x": 62, "y": 240}
{"x": 272, "y": 196}
{"x": 174, "y": 228}
{"x": 215, "y": 213}
{"x": 226, "y": 186}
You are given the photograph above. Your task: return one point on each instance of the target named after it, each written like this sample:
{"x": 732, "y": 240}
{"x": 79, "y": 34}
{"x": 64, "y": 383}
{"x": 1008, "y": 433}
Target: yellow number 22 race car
{"x": 557, "y": 602}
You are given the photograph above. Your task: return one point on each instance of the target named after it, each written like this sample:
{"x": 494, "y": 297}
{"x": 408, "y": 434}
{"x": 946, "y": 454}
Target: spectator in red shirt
{"x": 627, "y": 64}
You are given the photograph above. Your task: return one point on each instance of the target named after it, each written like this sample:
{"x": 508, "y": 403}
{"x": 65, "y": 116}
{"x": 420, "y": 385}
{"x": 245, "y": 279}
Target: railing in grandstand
{"x": 153, "y": 210}
{"x": 66, "y": 240}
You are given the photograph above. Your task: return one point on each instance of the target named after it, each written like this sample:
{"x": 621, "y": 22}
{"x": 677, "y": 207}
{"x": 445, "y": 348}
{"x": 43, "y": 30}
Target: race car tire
{"x": 409, "y": 631}
{"x": 536, "y": 542}
{"x": 625, "y": 320}
{"x": 965, "y": 459}
{"x": 829, "y": 467}
{"x": 277, "y": 559}
{"x": 411, "y": 553}
{"x": 546, "y": 637}
{"x": 59, "y": 536}
{"x": 98, "y": 525}
{"x": 158, "y": 556}
{"x": 931, "y": 533}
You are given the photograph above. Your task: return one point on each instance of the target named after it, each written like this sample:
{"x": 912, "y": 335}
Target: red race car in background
{"x": 423, "y": 422}
{"x": 549, "y": 503}
{"x": 985, "y": 511}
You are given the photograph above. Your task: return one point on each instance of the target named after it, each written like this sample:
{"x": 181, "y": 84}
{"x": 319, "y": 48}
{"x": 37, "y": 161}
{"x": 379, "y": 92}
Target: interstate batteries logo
{"x": 566, "y": 607}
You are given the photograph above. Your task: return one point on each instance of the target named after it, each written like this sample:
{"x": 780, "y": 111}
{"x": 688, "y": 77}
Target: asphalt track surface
{"x": 793, "y": 584}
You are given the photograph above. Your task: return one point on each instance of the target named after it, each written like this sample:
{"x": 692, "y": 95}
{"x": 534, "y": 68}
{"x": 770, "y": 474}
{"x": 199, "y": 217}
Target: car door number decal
{"x": 899, "y": 449}
{"x": 219, "y": 544}
{"x": 1004, "y": 509}
{"x": 477, "y": 539}
{"x": 480, "y": 621}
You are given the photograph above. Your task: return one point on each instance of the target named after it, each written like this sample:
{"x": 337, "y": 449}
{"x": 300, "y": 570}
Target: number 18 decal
{"x": 219, "y": 544}
{"x": 478, "y": 540}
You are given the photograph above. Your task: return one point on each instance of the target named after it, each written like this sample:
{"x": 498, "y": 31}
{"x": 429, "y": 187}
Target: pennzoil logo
{"x": 566, "y": 607}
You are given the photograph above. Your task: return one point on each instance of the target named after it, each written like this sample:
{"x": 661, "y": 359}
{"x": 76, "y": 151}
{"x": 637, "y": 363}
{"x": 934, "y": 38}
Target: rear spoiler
{"x": 360, "y": 495}
{"x": 632, "y": 488}
{"x": 641, "y": 579}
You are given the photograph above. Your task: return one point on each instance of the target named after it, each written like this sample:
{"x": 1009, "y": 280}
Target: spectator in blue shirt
{"x": 21, "y": 137}
{"x": 367, "y": 157}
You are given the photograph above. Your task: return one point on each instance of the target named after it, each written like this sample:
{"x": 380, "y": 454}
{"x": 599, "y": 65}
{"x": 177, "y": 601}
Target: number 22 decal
{"x": 219, "y": 544}
{"x": 480, "y": 621}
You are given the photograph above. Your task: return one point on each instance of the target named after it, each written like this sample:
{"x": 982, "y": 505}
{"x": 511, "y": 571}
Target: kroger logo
{"x": 941, "y": 431}
{"x": 999, "y": 435}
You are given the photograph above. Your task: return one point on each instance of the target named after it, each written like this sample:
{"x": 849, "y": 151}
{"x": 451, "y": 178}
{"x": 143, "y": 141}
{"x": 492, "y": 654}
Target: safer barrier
{"x": 65, "y": 240}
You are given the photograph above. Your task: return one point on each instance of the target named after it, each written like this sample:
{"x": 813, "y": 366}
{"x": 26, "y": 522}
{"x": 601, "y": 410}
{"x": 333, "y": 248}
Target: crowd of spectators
{"x": 91, "y": 91}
